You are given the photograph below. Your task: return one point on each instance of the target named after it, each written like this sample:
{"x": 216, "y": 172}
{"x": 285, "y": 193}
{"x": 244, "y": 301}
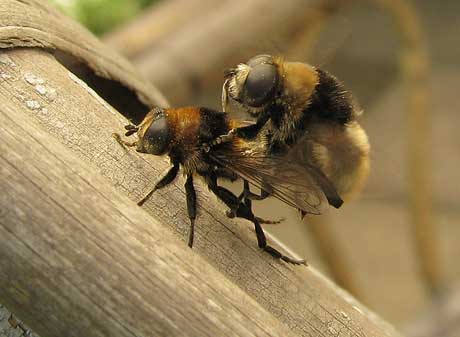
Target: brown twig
{"x": 415, "y": 69}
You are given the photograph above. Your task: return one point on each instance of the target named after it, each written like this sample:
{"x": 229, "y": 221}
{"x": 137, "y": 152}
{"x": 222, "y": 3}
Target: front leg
{"x": 247, "y": 194}
{"x": 191, "y": 207}
{"x": 251, "y": 131}
{"x": 245, "y": 132}
{"x": 166, "y": 180}
{"x": 123, "y": 142}
{"x": 244, "y": 211}
{"x": 130, "y": 129}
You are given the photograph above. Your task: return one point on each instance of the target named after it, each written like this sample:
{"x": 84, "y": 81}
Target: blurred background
{"x": 396, "y": 246}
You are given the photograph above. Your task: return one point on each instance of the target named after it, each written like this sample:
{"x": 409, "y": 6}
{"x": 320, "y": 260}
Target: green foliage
{"x": 100, "y": 16}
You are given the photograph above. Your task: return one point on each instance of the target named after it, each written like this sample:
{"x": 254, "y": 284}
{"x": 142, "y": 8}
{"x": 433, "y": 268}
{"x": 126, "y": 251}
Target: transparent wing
{"x": 302, "y": 186}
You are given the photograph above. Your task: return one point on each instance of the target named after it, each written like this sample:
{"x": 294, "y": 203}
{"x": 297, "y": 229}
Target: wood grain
{"x": 74, "y": 249}
{"x": 81, "y": 259}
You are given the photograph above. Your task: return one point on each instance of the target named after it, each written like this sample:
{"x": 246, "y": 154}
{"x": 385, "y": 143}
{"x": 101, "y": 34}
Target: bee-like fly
{"x": 304, "y": 116}
{"x": 184, "y": 134}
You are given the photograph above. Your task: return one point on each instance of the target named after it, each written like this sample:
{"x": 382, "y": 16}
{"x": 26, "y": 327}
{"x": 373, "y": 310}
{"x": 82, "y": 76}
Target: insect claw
{"x": 205, "y": 147}
{"x": 270, "y": 222}
{"x": 130, "y": 127}
{"x": 294, "y": 261}
{"x": 230, "y": 213}
{"x": 191, "y": 233}
{"x": 302, "y": 214}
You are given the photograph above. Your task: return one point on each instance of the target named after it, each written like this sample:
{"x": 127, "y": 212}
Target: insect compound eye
{"x": 158, "y": 135}
{"x": 261, "y": 81}
{"x": 260, "y": 59}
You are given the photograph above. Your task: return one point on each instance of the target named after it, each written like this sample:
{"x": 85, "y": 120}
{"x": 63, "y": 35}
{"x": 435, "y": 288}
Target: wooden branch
{"x": 98, "y": 243}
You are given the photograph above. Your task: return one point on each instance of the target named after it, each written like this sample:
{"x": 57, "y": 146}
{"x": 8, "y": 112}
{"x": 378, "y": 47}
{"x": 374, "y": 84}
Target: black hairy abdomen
{"x": 330, "y": 100}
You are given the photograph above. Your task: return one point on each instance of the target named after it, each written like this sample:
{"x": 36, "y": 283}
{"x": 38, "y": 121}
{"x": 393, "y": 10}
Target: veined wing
{"x": 301, "y": 186}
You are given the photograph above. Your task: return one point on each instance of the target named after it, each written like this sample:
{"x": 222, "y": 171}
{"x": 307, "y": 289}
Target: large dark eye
{"x": 261, "y": 81}
{"x": 259, "y": 59}
{"x": 158, "y": 136}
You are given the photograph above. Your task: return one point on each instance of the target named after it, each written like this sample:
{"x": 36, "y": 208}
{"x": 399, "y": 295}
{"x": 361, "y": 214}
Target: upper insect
{"x": 303, "y": 114}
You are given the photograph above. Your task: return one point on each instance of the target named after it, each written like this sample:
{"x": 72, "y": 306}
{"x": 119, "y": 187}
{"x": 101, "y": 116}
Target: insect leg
{"x": 233, "y": 202}
{"x": 222, "y": 193}
{"x": 166, "y": 180}
{"x": 250, "y": 195}
{"x": 269, "y": 222}
{"x": 237, "y": 207}
{"x": 191, "y": 207}
{"x": 245, "y": 132}
{"x": 247, "y": 194}
{"x": 123, "y": 142}
{"x": 130, "y": 129}
{"x": 226, "y": 174}
{"x": 244, "y": 210}
{"x": 251, "y": 131}
{"x": 262, "y": 242}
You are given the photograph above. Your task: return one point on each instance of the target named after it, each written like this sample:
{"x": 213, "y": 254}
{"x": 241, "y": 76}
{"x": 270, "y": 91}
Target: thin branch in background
{"x": 303, "y": 43}
{"x": 415, "y": 68}
{"x": 331, "y": 253}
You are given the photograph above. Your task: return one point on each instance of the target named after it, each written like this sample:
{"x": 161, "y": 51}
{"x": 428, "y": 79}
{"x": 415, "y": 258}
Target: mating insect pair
{"x": 306, "y": 147}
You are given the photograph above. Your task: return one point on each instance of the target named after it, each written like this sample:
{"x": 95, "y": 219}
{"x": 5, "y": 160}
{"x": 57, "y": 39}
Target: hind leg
{"x": 247, "y": 194}
{"x": 244, "y": 210}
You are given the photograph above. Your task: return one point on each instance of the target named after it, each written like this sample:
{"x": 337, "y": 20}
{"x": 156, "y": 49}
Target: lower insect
{"x": 182, "y": 134}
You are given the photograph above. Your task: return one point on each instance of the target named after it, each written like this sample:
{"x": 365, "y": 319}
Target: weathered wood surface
{"x": 10, "y": 326}
{"x": 183, "y": 56}
{"x": 299, "y": 297}
{"x": 81, "y": 259}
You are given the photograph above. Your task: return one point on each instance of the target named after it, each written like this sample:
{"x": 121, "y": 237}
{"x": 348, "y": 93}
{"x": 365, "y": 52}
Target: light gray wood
{"x": 81, "y": 259}
{"x": 11, "y": 326}
{"x": 75, "y": 249}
